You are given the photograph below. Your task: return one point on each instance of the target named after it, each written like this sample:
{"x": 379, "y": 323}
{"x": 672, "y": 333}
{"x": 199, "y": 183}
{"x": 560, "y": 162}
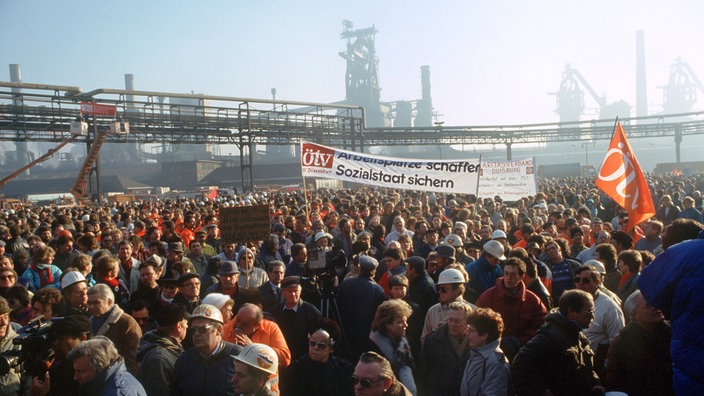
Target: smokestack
{"x": 424, "y": 107}
{"x": 641, "y": 89}
{"x": 129, "y": 86}
{"x": 22, "y": 149}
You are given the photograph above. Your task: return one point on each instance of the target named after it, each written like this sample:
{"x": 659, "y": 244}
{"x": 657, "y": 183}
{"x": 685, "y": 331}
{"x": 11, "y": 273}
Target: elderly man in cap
{"x": 445, "y": 257}
{"x": 64, "y": 334}
{"x": 160, "y": 348}
{"x": 296, "y": 318}
{"x": 456, "y": 242}
{"x": 451, "y": 288}
{"x": 188, "y": 291}
{"x": 254, "y": 369}
{"x": 74, "y": 288}
{"x": 175, "y": 262}
{"x": 109, "y": 320}
{"x": 229, "y": 274}
{"x": 358, "y": 299}
{"x": 484, "y": 271}
{"x": 206, "y": 368}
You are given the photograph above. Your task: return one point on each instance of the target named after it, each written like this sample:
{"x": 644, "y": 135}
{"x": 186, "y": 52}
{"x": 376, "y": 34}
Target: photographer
{"x": 10, "y": 383}
{"x": 64, "y": 335}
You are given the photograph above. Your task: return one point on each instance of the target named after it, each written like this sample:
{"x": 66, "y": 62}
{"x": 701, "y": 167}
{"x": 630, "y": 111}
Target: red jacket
{"x": 523, "y": 313}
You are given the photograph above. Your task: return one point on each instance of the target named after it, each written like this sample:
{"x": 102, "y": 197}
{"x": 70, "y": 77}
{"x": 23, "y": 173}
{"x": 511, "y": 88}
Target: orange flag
{"x": 621, "y": 178}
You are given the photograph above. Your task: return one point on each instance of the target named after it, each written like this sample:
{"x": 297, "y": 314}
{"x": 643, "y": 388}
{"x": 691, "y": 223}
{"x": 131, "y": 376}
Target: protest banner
{"x": 449, "y": 176}
{"x": 245, "y": 223}
{"x": 511, "y": 180}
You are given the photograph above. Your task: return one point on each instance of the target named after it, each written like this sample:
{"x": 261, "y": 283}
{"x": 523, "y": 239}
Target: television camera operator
{"x": 324, "y": 268}
{"x": 64, "y": 334}
{"x": 10, "y": 370}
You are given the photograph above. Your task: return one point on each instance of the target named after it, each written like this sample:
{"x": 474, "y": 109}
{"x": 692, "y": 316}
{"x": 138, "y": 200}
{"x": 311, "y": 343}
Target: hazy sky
{"x": 491, "y": 62}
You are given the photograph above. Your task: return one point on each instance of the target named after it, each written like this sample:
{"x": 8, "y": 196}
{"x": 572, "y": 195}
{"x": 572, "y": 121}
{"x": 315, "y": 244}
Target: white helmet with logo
{"x": 259, "y": 356}
{"x": 208, "y": 311}
{"x": 450, "y": 276}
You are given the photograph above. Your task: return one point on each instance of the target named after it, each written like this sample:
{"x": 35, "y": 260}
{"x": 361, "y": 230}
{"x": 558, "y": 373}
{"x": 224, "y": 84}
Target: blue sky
{"x": 491, "y": 62}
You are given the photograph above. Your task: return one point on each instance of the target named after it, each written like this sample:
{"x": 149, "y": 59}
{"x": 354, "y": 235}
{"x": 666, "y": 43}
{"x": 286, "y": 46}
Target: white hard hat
{"x": 208, "y": 311}
{"x": 494, "y": 248}
{"x": 259, "y": 356}
{"x": 449, "y": 276}
{"x": 85, "y": 217}
{"x": 71, "y": 278}
{"x": 453, "y": 240}
{"x": 498, "y": 234}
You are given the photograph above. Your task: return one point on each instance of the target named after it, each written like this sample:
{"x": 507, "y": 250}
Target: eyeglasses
{"x": 317, "y": 345}
{"x": 6, "y": 277}
{"x": 366, "y": 383}
{"x": 589, "y": 311}
{"x": 585, "y": 281}
{"x": 202, "y": 329}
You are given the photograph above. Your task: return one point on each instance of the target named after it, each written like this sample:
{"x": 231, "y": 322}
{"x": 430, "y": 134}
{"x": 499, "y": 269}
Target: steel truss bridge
{"x": 43, "y": 113}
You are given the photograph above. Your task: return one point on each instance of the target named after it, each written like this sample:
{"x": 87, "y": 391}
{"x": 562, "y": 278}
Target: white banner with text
{"x": 449, "y": 176}
{"x": 511, "y": 180}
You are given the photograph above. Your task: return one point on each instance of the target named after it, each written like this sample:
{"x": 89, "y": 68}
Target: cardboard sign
{"x": 245, "y": 224}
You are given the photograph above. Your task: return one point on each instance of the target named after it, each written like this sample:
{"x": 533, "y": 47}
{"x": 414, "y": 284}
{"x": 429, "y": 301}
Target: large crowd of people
{"x": 360, "y": 291}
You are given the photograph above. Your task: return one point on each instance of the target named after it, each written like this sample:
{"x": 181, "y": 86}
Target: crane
{"x": 570, "y": 98}
{"x": 43, "y": 158}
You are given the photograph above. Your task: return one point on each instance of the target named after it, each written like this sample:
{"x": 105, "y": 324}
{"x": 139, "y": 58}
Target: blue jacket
{"x": 672, "y": 283}
{"x": 482, "y": 275}
{"x": 32, "y": 281}
{"x": 114, "y": 381}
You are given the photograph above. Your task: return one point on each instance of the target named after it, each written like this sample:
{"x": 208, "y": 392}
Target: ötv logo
{"x": 316, "y": 156}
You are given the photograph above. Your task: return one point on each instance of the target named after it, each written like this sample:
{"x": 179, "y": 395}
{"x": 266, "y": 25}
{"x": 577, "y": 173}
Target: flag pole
{"x": 305, "y": 190}
{"x": 613, "y": 131}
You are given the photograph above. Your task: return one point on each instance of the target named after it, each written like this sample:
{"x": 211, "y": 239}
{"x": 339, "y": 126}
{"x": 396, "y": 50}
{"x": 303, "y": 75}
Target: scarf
{"x": 113, "y": 283}
{"x": 44, "y": 272}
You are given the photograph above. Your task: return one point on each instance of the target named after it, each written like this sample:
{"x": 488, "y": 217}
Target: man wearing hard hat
{"x": 451, "y": 286}
{"x": 254, "y": 366}
{"x": 206, "y": 368}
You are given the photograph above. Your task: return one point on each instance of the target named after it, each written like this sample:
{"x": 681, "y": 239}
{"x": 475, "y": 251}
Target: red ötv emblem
{"x": 317, "y": 156}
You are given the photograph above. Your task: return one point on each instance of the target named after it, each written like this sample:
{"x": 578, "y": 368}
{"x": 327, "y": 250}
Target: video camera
{"x": 326, "y": 268}
{"x": 36, "y": 353}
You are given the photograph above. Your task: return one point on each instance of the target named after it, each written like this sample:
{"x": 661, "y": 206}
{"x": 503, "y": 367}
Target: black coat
{"x": 296, "y": 325}
{"x": 640, "y": 362}
{"x": 558, "y": 358}
{"x": 357, "y": 300}
{"x": 442, "y": 368}
{"x": 306, "y": 377}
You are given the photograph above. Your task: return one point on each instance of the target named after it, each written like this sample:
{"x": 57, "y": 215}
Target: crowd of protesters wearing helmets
{"x": 430, "y": 294}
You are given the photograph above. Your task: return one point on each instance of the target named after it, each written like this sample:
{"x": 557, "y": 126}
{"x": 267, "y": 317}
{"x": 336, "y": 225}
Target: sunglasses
{"x": 6, "y": 277}
{"x": 202, "y": 329}
{"x": 444, "y": 289}
{"x": 317, "y": 345}
{"x": 579, "y": 280}
{"x": 366, "y": 383}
